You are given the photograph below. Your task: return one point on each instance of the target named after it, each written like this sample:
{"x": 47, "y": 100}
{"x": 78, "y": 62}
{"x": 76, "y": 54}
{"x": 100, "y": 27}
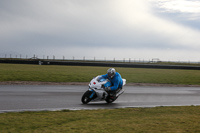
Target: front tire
{"x": 86, "y": 97}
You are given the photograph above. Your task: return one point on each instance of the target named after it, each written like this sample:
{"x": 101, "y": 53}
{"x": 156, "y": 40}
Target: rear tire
{"x": 86, "y": 97}
{"x": 110, "y": 100}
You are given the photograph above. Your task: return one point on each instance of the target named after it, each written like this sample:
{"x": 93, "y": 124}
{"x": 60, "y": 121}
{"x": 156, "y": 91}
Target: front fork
{"x": 93, "y": 92}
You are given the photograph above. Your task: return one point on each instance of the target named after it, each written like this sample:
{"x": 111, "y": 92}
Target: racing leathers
{"x": 116, "y": 81}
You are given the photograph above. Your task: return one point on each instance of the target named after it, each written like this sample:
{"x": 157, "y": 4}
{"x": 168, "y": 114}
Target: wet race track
{"x": 53, "y": 97}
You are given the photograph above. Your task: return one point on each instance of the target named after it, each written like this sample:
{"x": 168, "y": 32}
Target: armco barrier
{"x": 126, "y": 65}
{"x": 20, "y": 61}
{"x": 130, "y": 65}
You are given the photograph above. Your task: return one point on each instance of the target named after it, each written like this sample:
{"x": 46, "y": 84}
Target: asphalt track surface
{"x": 17, "y": 98}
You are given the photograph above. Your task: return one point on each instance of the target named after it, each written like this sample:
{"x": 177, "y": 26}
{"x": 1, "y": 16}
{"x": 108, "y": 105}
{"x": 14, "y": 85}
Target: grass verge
{"x": 158, "y": 119}
{"x": 51, "y": 73}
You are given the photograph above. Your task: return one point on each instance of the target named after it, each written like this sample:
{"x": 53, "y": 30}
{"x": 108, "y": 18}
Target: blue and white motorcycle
{"x": 96, "y": 91}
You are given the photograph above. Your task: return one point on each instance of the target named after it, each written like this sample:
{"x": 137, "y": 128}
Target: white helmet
{"x": 111, "y": 72}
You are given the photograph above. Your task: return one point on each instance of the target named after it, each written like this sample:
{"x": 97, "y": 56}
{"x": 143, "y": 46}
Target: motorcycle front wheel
{"x": 86, "y": 97}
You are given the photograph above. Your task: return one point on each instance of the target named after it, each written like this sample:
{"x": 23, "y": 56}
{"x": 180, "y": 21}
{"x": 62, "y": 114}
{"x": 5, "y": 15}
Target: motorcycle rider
{"x": 116, "y": 81}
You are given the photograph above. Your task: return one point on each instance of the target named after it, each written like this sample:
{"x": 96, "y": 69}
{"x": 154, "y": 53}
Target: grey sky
{"x": 119, "y": 29}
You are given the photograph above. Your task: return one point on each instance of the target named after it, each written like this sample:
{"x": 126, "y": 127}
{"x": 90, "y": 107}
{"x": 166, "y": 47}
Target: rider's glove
{"x": 107, "y": 89}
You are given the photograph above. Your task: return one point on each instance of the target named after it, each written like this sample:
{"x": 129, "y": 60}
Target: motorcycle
{"x": 96, "y": 91}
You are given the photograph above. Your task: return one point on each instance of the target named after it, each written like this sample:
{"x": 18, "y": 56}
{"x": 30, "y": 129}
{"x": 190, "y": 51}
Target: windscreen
{"x": 101, "y": 79}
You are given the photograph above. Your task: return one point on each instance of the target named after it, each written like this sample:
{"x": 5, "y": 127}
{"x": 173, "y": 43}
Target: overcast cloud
{"x": 142, "y": 29}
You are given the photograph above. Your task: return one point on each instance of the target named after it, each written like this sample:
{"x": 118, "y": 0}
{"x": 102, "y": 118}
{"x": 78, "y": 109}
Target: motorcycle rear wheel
{"x": 86, "y": 97}
{"x": 110, "y": 100}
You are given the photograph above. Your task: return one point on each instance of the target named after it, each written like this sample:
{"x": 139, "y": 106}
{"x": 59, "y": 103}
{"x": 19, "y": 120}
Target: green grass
{"x": 53, "y": 73}
{"x": 152, "y": 120}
